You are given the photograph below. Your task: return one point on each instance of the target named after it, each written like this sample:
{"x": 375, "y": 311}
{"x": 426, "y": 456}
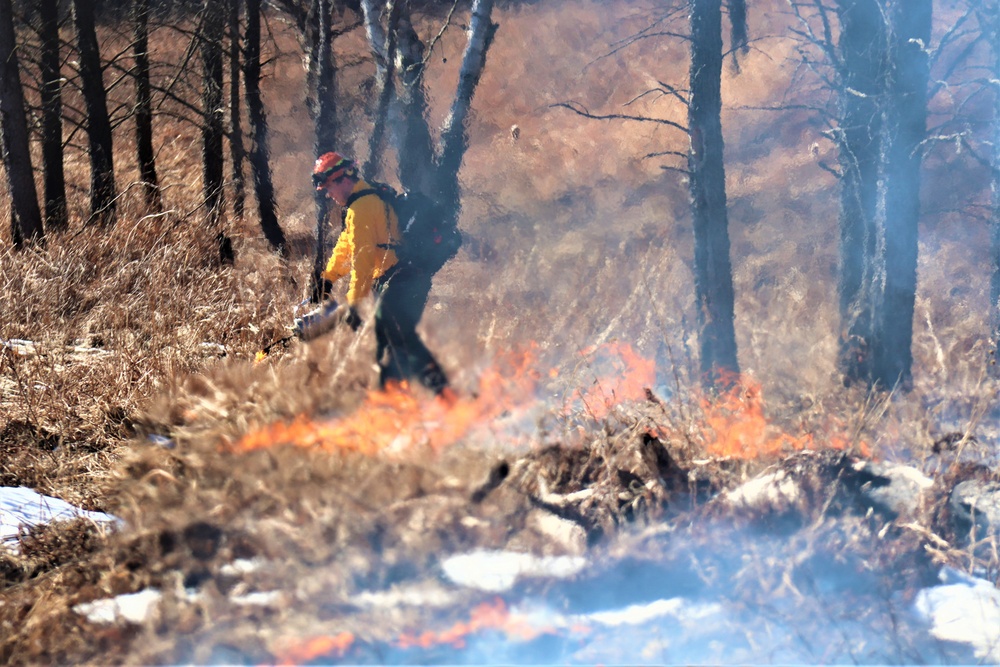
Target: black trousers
{"x": 400, "y": 353}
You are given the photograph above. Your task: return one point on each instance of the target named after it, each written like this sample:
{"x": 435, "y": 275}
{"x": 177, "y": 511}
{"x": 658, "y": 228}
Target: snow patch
{"x": 496, "y": 571}
{"x": 23, "y": 507}
{"x": 963, "y": 609}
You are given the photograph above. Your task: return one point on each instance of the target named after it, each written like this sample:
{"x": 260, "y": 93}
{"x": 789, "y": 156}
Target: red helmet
{"x": 331, "y": 166}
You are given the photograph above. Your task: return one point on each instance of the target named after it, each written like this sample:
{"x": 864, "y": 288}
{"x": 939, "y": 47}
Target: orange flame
{"x": 396, "y": 417}
{"x": 735, "y": 426}
{"x": 627, "y": 379}
{"x": 322, "y": 646}
{"x": 492, "y": 615}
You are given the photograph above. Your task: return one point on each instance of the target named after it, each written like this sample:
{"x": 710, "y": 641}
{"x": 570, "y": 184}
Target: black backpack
{"x": 429, "y": 237}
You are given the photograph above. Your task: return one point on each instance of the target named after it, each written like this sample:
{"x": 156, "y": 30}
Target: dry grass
{"x": 575, "y": 241}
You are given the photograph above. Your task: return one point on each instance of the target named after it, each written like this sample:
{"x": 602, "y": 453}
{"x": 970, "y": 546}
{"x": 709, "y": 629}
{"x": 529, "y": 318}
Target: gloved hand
{"x": 352, "y": 319}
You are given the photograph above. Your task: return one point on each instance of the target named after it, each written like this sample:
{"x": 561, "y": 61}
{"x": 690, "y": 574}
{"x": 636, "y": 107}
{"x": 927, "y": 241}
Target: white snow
{"x": 768, "y": 490}
{"x": 131, "y": 607}
{"x": 496, "y": 571}
{"x": 964, "y": 609}
{"x": 21, "y": 506}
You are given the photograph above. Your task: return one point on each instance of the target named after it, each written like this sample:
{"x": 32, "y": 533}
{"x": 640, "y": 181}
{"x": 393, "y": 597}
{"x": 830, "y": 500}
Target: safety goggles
{"x": 320, "y": 179}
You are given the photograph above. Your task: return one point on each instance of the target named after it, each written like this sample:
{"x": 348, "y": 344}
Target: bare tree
{"x": 454, "y": 140}
{"x": 144, "y": 106}
{"x": 714, "y": 296}
{"x": 706, "y": 175}
{"x": 259, "y": 153}
{"x": 212, "y": 128}
{"x": 103, "y": 199}
{"x": 237, "y": 151}
{"x": 423, "y": 166}
{"x": 906, "y": 114}
{"x": 863, "y": 67}
{"x": 877, "y": 51}
{"x": 385, "y": 88}
{"x": 56, "y": 216}
{"x": 325, "y": 114}
{"x": 26, "y": 222}
{"x": 416, "y": 146}
{"x": 991, "y": 27}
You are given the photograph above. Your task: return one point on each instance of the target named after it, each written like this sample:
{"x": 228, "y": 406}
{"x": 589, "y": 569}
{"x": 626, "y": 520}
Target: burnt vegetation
{"x": 788, "y": 210}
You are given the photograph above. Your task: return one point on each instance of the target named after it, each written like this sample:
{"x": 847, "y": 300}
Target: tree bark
{"x": 416, "y": 146}
{"x": 56, "y": 215}
{"x": 907, "y": 130}
{"x": 144, "y": 107}
{"x": 237, "y": 152}
{"x": 714, "y": 293}
{"x": 325, "y": 110}
{"x": 259, "y": 152}
{"x": 994, "y": 31}
{"x": 454, "y": 136}
{"x": 212, "y": 129}
{"x": 103, "y": 197}
{"x": 386, "y": 90}
{"x": 326, "y": 81}
{"x": 26, "y": 222}
{"x": 862, "y": 47}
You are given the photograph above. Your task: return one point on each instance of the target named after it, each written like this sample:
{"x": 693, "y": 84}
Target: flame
{"x": 491, "y": 615}
{"x": 735, "y": 426}
{"x": 626, "y": 378}
{"x": 323, "y": 646}
{"x": 396, "y": 417}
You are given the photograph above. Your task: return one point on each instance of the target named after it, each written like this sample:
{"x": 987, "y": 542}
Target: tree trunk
{"x": 236, "y": 150}
{"x": 416, "y": 146}
{"x": 212, "y": 129}
{"x": 144, "y": 107}
{"x": 326, "y": 81}
{"x": 56, "y": 215}
{"x": 863, "y": 56}
{"x": 907, "y": 121}
{"x": 454, "y": 136}
{"x": 994, "y": 31}
{"x": 386, "y": 90}
{"x": 713, "y": 272}
{"x": 325, "y": 110}
{"x": 259, "y": 164}
{"x": 26, "y": 223}
{"x": 103, "y": 199}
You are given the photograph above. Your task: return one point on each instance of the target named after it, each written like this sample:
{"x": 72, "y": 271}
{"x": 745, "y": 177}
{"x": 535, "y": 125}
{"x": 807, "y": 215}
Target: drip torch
{"x": 308, "y": 326}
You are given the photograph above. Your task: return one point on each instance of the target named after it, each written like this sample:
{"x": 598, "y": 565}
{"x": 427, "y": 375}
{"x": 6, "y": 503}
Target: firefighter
{"x": 364, "y": 250}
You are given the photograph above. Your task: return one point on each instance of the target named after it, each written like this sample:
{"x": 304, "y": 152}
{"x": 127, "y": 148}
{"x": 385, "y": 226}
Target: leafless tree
{"x": 397, "y": 49}
{"x": 56, "y": 216}
{"x": 324, "y": 109}
{"x": 877, "y": 54}
{"x": 103, "y": 197}
{"x": 237, "y": 151}
{"x": 259, "y": 152}
{"x": 213, "y": 22}
{"x": 26, "y": 222}
{"x": 704, "y": 170}
{"x": 714, "y": 295}
{"x": 144, "y": 106}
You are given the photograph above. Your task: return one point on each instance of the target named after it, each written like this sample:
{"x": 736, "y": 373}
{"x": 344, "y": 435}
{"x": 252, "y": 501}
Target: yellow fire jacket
{"x": 370, "y": 225}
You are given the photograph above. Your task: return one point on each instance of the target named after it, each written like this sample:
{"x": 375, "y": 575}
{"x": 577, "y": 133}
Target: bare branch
{"x": 580, "y": 110}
